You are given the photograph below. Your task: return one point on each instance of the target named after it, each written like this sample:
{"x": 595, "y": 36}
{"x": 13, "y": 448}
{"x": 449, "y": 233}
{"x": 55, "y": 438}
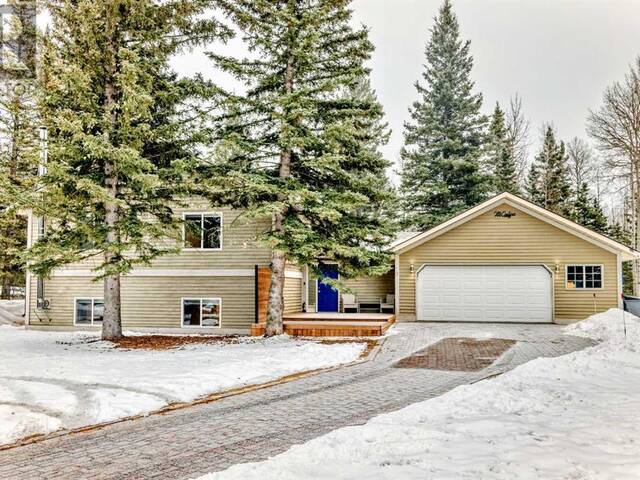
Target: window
{"x": 201, "y": 312}
{"x": 89, "y": 311}
{"x": 203, "y": 231}
{"x": 41, "y": 227}
{"x": 40, "y": 293}
{"x": 584, "y": 276}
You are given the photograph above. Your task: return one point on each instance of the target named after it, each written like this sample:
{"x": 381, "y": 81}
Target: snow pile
{"x": 573, "y": 417}
{"x": 51, "y": 380}
{"x": 11, "y": 312}
{"x": 616, "y": 329}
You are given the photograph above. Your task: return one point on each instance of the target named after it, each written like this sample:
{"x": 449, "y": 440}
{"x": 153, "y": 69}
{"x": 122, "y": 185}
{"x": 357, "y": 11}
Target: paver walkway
{"x": 254, "y": 426}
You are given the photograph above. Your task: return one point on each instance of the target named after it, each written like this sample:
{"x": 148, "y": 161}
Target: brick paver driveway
{"x": 253, "y": 426}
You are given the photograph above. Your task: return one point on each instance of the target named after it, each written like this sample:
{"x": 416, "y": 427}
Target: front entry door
{"x": 327, "y": 295}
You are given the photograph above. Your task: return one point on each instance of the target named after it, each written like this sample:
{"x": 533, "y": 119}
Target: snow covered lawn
{"x": 11, "y": 312}
{"x": 575, "y": 417}
{"x": 51, "y": 380}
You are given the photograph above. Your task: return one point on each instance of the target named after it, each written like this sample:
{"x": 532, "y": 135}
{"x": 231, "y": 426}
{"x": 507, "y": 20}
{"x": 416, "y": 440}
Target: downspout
{"x": 396, "y": 306}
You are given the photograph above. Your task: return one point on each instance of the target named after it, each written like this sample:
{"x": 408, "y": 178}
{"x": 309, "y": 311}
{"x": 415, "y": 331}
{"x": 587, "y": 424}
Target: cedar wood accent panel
{"x": 292, "y": 292}
{"x": 521, "y": 239}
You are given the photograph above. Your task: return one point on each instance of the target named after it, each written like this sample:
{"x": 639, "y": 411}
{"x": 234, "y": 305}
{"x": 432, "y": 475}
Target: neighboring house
{"x": 506, "y": 260}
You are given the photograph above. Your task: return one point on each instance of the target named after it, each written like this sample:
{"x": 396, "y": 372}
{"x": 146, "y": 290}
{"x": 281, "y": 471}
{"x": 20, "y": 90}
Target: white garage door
{"x": 484, "y": 293}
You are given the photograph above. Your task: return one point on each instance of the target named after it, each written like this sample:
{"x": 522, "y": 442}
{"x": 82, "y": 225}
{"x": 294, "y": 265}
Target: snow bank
{"x": 573, "y": 417}
{"x": 52, "y": 380}
{"x": 615, "y": 329}
{"x": 11, "y": 312}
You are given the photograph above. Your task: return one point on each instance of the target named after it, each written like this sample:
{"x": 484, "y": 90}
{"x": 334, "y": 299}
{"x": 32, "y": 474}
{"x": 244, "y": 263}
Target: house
{"x": 508, "y": 260}
{"x": 211, "y": 285}
{"x": 505, "y": 260}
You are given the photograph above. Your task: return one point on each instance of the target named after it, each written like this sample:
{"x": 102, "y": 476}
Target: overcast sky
{"x": 558, "y": 55}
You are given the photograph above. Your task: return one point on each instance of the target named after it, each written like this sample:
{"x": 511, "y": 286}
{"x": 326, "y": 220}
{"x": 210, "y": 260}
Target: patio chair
{"x": 349, "y": 302}
{"x": 388, "y": 305}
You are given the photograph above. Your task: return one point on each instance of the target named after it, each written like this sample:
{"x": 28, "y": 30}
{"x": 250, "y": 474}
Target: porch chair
{"x": 349, "y": 302}
{"x": 388, "y": 305}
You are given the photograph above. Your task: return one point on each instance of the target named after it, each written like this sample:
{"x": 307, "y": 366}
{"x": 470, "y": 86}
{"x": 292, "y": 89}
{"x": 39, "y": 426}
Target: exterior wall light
{"x": 411, "y": 269}
{"x": 557, "y": 269}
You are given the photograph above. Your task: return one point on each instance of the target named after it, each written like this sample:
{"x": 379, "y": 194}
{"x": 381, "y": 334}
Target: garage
{"x": 484, "y": 293}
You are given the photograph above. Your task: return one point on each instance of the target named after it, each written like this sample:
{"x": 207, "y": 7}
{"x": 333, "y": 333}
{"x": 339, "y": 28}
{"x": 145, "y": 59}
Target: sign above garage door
{"x": 484, "y": 293}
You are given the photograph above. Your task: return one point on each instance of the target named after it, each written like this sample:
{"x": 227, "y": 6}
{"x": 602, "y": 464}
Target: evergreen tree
{"x": 533, "y": 188}
{"x": 622, "y": 235}
{"x": 587, "y": 211}
{"x": 501, "y": 155}
{"x": 549, "y": 187}
{"x": 18, "y": 137}
{"x": 109, "y": 102}
{"x": 441, "y": 173}
{"x": 19, "y": 155}
{"x": 301, "y": 143}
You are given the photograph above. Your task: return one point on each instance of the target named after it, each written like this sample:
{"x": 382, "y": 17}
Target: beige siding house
{"x": 505, "y": 260}
{"x": 211, "y": 285}
{"x": 508, "y": 260}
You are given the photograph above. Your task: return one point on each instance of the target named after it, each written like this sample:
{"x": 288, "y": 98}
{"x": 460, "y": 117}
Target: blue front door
{"x": 327, "y": 295}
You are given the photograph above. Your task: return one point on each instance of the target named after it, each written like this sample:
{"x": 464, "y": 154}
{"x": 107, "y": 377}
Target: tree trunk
{"x": 635, "y": 209}
{"x": 276, "y": 294}
{"x": 5, "y": 294}
{"x": 112, "y": 320}
{"x": 275, "y": 308}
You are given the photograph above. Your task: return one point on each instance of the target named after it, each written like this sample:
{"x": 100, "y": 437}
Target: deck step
{"x": 332, "y": 325}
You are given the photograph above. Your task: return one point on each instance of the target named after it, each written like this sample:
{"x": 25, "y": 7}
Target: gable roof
{"x": 540, "y": 213}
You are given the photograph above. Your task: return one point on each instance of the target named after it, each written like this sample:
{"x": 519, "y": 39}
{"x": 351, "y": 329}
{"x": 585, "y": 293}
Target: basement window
{"x": 583, "y": 277}
{"x": 203, "y": 231}
{"x": 201, "y": 312}
{"x": 88, "y": 311}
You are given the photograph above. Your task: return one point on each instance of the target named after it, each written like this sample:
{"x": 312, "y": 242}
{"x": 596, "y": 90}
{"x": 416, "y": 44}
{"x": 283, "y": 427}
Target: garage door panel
{"x": 515, "y": 300}
{"x": 484, "y": 293}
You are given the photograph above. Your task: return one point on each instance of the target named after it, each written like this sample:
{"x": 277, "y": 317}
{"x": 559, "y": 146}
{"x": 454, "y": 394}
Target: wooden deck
{"x": 333, "y": 324}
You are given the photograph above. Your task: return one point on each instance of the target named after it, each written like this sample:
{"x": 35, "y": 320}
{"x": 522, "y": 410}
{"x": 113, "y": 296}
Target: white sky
{"x": 558, "y": 55}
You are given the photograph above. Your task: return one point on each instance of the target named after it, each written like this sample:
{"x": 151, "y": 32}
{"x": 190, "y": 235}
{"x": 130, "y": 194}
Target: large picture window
{"x": 201, "y": 312}
{"x": 89, "y": 311}
{"x": 584, "y": 276}
{"x": 203, "y": 231}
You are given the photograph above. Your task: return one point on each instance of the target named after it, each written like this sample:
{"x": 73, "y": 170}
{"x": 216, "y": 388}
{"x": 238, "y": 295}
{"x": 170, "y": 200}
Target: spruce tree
{"x": 19, "y": 158}
{"x": 109, "y": 104}
{"x": 19, "y": 152}
{"x": 621, "y": 234}
{"x": 533, "y": 187}
{"x": 548, "y": 182}
{"x": 441, "y": 172}
{"x": 500, "y": 156}
{"x": 588, "y": 212}
{"x": 301, "y": 142}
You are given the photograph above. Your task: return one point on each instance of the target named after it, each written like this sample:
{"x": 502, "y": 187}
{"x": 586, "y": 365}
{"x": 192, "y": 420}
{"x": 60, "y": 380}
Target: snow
{"x": 53, "y": 380}
{"x": 575, "y": 417}
{"x": 11, "y": 312}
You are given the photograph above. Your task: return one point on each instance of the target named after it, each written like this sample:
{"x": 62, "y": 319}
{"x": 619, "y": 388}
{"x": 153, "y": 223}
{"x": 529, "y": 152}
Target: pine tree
{"x": 441, "y": 173}
{"x": 109, "y": 104}
{"x": 549, "y": 187}
{"x": 301, "y": 143}
{"x": 501, "y": 155}
{"x": 587, "y": 211}
{"x": 19, "y": 156}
